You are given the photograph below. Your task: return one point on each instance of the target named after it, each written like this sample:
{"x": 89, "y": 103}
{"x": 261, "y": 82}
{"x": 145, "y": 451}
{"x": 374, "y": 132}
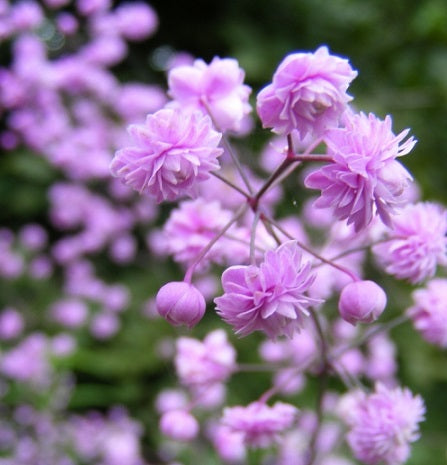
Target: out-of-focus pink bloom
{"x": 67, "y": 23}
{"x": 228, "y": 444}
{"x": 134, "y": 100}
{"x": 269, "y": 298}
{"x": 179, "y": 425}
{"x": 383, "y": 424}
{"x": 136, "y": 20}
{"x": 204, "y": 363}
{"x": 26, "y": 14}
{"x": 106, "y": 50}
{"x": 171, "y": 399}
{"x": 381, "y": 364}
{"x": 63, "y": 344}
{"x": 364, "y": 177}
{"x": 123, "y": 249}
{"x": 308, "y": 93}
{"x": 11, "y": 323}
{"x": 27, "y": 362}
{"x": 180, "y": 303}
{"x": 91, "y": 7}
{"x": 33, "y": 236}
{"x": 361, "y": 302}
{"x": 259, "y": 424}
{"x": 417, "y": 242}
{"x": 71, "y": 313}
{"x": 175, "y": 149}
{"x": 216, "y": 89}
{"x": 104, "y": 325}
{"x": 190, "y": 228}
{"x": 429, "y": 312}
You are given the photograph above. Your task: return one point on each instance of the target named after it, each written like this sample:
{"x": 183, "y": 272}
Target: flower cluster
{"x": 250, "y": 258}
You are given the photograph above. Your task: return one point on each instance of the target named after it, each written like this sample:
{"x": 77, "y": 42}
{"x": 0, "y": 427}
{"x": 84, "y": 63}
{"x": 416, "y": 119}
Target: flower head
{"x": 364, "y": 177}
{"x": 382, "y": 425}
{"x": 429, "y": 312}
{"x": 216, "y": 88}
{"x": 174, "y": 150}
{"x": 417, "y": 242}
{"x": 270, "y": 297}
{"x": 361, "y": 302}
{"x": 180, "y": 303}
{"x": 259, "y": 424}
{"x": 308, "y": 93}
{"x": 205, "y": 363}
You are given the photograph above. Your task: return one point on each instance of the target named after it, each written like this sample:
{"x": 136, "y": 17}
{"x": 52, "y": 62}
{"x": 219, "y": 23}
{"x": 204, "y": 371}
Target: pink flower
{"x": 205, "y": 363}
{"x": 382, "y": 425}
{"x": 361, "y": 302}
{"x": 216, "y": 88}
{"x": 429, "y": 312}
{"x": 259, "y": 423}
{"x": 417, "y": 242}
{"x": 364, "y": 177}
{"x": 190, "y": 228}
{"x": 308, "y": 93}
{"x": 136, "y": 20}
{"x": 270, "y": 297}
{"x": 174, "y": 150}
{"x": 179, "y": 425}
{"x": 180, "y": 303}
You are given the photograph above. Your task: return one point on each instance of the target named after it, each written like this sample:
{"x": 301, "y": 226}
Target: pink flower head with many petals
{"x": 308, "y": 93}
{"x": 270, "y": 297}
{"x": 364, "y": 177}
{"x": 419, "y": 243}
{"x": 216, "y": 88}
{"x": 382, "y": 425}
{"x": 260, "y": 424}
{"x": 429, "y": 312}
{"x": 205, "y": 363}
{"x": 174, "y": 150}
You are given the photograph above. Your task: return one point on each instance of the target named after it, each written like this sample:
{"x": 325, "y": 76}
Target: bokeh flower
{"x": 417, "y": 243}
{"x": 383, "y": 424}
{"x": 429, "y": 312}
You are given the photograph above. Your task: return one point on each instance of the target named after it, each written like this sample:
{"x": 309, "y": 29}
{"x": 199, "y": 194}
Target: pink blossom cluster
{"x": 295, "y": 271}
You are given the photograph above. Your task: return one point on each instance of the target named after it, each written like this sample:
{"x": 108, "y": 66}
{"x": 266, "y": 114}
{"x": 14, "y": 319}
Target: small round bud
{"x": 361, "y": 302}
{"x": 180, "y": 303}
{"x": 179, "y": 425}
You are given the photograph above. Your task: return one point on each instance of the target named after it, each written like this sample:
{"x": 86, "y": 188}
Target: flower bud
{"x": 180, "y": 303}
{"x": 179, "y": 425}
{"x": 361, "y": 302}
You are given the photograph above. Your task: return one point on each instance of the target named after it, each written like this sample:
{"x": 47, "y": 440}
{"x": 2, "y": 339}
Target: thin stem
{"x": 229, "y": 183}
{"x": 253, "y": 237}
{"x": 226, "y": 144}
{"x": 257, "y": 367}
{"x": 322, "y": 387}
{"x": 373, "y": 331}
{"x": 309, "y": 250}
{"x": 190, "y": 271}
{"x": 313, "y": 157}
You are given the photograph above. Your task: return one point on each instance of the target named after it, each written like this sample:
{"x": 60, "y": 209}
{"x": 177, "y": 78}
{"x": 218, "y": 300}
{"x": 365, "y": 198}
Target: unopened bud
{"x": 180, "y": 303}
{"x": 361, "y": 302}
